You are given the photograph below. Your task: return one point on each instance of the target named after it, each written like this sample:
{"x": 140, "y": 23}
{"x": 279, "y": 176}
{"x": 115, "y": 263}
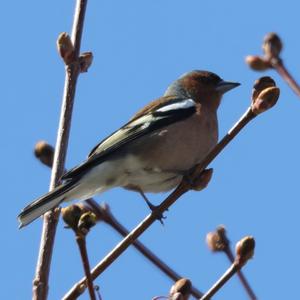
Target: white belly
{"x": 155, "y": 163}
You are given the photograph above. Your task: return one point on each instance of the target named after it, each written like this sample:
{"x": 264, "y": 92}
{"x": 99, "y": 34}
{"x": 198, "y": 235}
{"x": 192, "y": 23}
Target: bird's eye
{"x": 203, "y": 79}
{"x": 209, "y": 78}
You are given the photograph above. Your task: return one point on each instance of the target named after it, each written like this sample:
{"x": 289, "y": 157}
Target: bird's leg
{"x": 152, "y": 207}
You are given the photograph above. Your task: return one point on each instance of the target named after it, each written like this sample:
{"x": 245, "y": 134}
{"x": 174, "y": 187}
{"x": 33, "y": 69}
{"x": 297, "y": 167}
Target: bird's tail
{"x": 44, "y": 203}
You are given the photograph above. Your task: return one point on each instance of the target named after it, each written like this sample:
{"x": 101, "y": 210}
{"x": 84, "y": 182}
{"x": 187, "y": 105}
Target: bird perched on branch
{"x": 150, "y": 153}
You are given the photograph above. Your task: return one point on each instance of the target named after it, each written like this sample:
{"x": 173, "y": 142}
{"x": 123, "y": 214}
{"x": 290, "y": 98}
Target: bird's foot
{"x": 159, "y": 216}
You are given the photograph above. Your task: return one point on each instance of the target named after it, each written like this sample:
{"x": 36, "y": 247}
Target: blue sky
{"x": 140, "y": 47}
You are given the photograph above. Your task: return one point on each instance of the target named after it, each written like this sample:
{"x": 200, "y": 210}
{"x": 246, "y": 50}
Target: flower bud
{"x": 85, "y": 61}
{"x": 65, "y": 48}
{"x": 86, "y": 222}
{"x": 176, "y": 296}
{"x": 44, "y": 152}
{"x": 257, "y": 63}
{"x": 217, "y": 240}
{"x": 181, "y": 289}
{"x": 260, "y": 84}
{"x": 71, "y": 215}
{"x": 244, "y": 250}
{"x": 265, "y": 100}
{"x": 102, "y": 212}
{"x": 264, "y": 95}
{"x": 272, "y": 45}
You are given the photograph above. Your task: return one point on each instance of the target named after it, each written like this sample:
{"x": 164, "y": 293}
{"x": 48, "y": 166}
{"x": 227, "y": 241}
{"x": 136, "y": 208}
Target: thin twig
{"x": 81, "y": 241}
{"x": 40, "y": 283}
{"x": 183, "y": 187}
{"x": 285, "y": 74}
{"x": 241, "y": 275}
{"x": 217, "y": 286}
{"x": 81, "y": 221}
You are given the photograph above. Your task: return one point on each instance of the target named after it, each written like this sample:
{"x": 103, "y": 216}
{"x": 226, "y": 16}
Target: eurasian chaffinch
{"x": 151, "y": 152}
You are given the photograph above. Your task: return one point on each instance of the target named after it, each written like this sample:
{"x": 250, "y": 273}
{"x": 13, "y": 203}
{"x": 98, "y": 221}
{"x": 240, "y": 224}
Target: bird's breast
{"x": 179, "y": 146}
{"x": 158, "y": 161}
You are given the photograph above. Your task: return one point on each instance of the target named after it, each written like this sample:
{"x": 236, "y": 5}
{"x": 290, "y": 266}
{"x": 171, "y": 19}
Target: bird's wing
{"x": 153, "y": 118}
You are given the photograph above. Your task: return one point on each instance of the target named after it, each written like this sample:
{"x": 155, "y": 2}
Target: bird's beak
{"x": 225, "y": 86}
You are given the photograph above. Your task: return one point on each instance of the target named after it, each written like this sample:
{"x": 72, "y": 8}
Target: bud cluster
{"x": 66, "y": 50}
{"x": 78, "y": 218}
{"x": 272, "y": 47}
{"x": 264, "y": 95}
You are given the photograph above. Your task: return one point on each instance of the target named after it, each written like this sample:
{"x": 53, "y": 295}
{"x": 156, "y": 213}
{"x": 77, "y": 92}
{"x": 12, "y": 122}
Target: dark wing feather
{"x": 152, "y": 107}
{"x": 156, "y": 119}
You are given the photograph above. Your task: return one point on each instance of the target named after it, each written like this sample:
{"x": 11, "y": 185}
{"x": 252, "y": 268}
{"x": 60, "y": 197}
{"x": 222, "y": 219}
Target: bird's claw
{"x": 159, "y": 216}
{"x": 154, "y": 209}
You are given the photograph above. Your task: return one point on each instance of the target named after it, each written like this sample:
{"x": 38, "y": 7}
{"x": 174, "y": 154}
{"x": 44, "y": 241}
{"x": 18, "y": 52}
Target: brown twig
{"x": 44, "y": 152}
{"x": 218, "y": 242}
{"x": 81, "y": 241}
{"x": 244, "y": 251}
{"x": 81, "y": 221}
{"x": 40, "y": 283}
{"x": 241, "y": 276}
{"x": 286, "y": 75}
{"x": 217, "y": 286}
{"x": 265, "y": 96}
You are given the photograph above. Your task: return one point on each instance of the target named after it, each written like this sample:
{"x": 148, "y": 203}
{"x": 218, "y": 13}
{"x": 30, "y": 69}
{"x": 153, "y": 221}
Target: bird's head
{"x": 202, "y": 86}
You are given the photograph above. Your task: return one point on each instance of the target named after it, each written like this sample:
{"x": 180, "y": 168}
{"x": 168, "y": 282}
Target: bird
{"x": 153, "y": 151}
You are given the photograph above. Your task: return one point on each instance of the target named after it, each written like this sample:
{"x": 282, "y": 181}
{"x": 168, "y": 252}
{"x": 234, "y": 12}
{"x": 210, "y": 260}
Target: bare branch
{"x": 40, "y": 283}
{"x": 286, "y": 75}
{"x": 81, "y": 222}
{"x": 81, "y": 241}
